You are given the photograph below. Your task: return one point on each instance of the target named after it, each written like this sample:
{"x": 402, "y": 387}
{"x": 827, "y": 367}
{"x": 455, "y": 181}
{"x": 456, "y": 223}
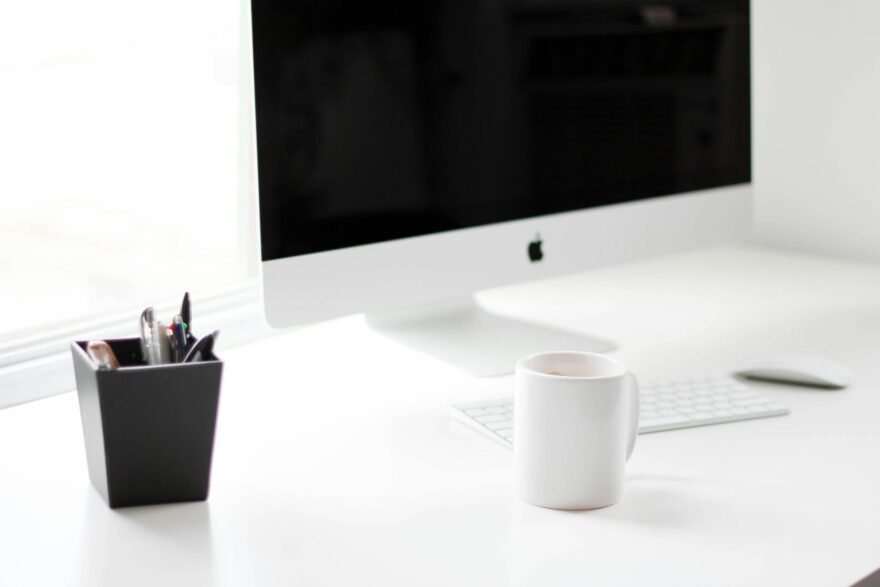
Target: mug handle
{"x": 632, "y": 388}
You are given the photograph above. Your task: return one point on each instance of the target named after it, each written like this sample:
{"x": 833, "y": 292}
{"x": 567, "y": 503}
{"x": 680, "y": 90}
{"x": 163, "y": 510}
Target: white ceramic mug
{"x": 576, "y": 416}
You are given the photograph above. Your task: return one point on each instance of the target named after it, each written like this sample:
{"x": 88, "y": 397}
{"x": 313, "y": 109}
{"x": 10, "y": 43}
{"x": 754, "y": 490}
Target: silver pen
{"x": 161, "y": 351}
{"x": 148, "y": 321}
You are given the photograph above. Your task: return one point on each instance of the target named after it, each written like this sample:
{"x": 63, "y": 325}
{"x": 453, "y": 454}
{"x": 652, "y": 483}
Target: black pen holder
{"x": 149, "y": 429}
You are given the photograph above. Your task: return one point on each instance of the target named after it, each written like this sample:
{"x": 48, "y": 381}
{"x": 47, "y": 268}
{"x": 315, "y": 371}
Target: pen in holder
{"x": 149, "y": 429}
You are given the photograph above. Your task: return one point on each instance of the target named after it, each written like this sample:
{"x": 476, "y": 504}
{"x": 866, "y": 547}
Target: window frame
{"x": 38, "y": 365}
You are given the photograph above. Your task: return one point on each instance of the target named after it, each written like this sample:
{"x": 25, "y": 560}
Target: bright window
{"x": 120, "y": 157}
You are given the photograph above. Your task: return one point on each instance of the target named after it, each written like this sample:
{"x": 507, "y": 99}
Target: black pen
{"x": 178, "y": 338}
{"x": 186, "y": 313}
{"x": 203, "y": 347}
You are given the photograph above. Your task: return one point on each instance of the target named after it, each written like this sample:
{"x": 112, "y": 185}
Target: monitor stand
{"x": 462, "y": 333}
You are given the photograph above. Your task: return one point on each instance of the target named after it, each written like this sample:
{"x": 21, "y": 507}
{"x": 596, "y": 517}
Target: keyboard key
{"x": 499, "y": 425}
{"x": 490, "y": 418}
{"x": 749, "y": 401}
{"x": 743, "y": 394}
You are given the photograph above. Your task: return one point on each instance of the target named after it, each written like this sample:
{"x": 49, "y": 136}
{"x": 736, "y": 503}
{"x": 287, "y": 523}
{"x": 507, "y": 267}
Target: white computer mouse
{"x": 799, "y": 370}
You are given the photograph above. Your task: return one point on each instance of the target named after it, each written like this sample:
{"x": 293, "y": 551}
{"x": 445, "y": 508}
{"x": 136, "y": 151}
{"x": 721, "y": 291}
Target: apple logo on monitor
{"x": 535, "y": 252}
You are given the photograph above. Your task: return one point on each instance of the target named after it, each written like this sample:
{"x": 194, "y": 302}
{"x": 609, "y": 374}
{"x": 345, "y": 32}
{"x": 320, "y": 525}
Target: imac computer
{"x": 410, "y": 154}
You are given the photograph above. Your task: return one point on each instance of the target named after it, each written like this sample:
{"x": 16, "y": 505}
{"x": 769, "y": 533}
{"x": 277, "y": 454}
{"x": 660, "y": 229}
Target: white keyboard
{"x": 665, "y": 405}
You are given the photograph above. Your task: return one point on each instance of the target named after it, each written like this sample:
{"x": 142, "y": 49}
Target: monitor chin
{"x": 462, "y": 333}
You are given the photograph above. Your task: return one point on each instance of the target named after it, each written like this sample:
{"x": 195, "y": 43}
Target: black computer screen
{"x": 383, "y": 119}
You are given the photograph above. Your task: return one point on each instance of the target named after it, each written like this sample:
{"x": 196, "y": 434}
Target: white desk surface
{"x": 336, "y": 462}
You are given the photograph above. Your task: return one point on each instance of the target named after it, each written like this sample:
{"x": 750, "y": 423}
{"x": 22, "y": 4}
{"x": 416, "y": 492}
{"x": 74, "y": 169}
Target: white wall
{"x": 816, "y": 75}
